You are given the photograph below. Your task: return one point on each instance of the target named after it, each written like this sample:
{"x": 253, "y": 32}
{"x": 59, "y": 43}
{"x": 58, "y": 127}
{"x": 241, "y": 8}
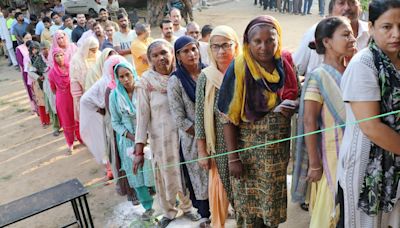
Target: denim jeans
{"x": 269, "y": 3}
{"x": 321, "y": 5}
{"x": 307, "y": 6}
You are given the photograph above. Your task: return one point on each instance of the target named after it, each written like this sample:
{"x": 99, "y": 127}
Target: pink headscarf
{"x": 108, "y": 69}
{"x": 70, "y": 48}
{"x": 61, "y": 78}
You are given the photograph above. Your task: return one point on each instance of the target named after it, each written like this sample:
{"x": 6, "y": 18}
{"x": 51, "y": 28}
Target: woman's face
{"x": 222, "y": 49}
{"x": 386, "y": 32}
{"x": 189, "y": 55}
{"x": 61, "y": 41}
{"x": 92, "y": 52}
{"x": 35, "y": 51}
{"x": 263, "y": 43}
{"x": 342, "y": 42}
{"x": 125, "y": 77}
{"x": 27, "y": 37}
{"x": 161, "y": 58}
{"x": 45, "y": 51}
{"x": 59, "y": 57}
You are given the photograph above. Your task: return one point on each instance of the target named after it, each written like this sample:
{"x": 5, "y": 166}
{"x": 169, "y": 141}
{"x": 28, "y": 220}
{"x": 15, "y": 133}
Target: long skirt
{"x": 260, "y": 196}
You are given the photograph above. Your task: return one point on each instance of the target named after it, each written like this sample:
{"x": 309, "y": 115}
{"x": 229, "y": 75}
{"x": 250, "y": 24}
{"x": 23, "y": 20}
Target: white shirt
{"x": 180, "y": 32}
{"x": 306, "y": 59}
{"x": 54, "y": 28}
{"x": 203, "y": 48}
{"x": 124, "y": 41}
{"x": 69, "y": 33}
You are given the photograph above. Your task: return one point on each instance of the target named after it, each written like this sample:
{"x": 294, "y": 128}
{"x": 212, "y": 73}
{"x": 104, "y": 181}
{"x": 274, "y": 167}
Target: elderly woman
{"x": 182, "y": 97}
{"x": 96, "y": 71}
{"x": 369, "y": 159}
{"x": 253, "y": 87}
{"x": 224, "y": 45}
{"x": 81, "y": 62}
{"x": 321, "y": 107}
{"x": 123, "y": 119}
{"x": 152, "y": 100}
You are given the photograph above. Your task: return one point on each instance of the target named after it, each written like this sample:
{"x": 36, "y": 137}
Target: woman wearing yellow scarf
{"x": 254, "y": 85}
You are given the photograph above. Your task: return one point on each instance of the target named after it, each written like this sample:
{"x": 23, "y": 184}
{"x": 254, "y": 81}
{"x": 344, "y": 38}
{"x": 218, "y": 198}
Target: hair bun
{"x": 312, "y": 45}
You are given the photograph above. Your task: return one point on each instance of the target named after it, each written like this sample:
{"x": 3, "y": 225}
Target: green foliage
{"x": 364, "y": 5}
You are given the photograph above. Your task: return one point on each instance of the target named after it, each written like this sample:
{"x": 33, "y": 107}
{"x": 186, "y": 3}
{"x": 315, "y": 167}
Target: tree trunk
{"x": 155, "y": 11}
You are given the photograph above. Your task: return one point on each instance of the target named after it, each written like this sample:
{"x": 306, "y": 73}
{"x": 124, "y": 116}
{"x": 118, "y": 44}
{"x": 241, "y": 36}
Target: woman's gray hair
{"x": 156, "y": 43}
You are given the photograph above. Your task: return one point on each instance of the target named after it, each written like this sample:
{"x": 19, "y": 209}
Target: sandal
{"x": 164, "y": 222}
{"x": 146, "y": 216}
{"x": 304, "y": 206}
{"x": 205, "y": 224}
{"x": 194, "y": 216}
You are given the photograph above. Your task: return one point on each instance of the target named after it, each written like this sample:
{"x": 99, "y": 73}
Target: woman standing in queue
{"x": 60, "y": 85}
{"x": 224, "y": 46}
{"x": 254, "y": 85}
{"x": 123, "y": 119}
{"x": 182, "y": 97}
{"x": 369, "y": 159}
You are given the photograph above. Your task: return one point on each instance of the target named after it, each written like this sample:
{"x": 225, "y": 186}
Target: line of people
{"x": 144, "y": 104}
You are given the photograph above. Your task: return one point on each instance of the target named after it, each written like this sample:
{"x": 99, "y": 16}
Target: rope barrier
{"x": 248, "y": 148}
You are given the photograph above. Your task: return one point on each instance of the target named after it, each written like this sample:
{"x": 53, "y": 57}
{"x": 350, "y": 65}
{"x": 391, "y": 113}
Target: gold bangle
{"x": 315, "y": 169}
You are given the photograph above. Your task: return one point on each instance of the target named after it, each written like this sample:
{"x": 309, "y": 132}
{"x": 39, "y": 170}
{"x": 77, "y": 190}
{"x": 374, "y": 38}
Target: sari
{"x": 321, "y": 86}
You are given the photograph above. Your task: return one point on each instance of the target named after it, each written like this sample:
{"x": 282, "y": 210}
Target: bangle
{"x": 315, "y": 169}
{"x": 234, "y": 160}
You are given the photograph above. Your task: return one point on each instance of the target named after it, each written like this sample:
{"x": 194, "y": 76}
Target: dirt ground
{"x": 31, "y": 159}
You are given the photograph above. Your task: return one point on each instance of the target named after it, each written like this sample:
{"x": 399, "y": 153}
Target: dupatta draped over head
{"x": 246, "y": 74}
{"x": 61, "y": 78}
{"x": 214, "y": 80}
{"x": 69, "y": 49}
{"x": 91, "y": 122}
{"x": 96, "y": 71}
{"x": 125, "y": 104}
{"x": 181, "y": 73}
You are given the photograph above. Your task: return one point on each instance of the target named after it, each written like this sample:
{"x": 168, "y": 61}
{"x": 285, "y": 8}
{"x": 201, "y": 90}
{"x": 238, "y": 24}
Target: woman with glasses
{"x": 224, "y": 45}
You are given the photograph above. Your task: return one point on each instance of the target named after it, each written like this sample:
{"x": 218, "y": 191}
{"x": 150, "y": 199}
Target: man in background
{"x": 167, "y": 31}
{"x": 57, "y": 23}
{"x": 68, "y": 25}
{"x": 80, "y": 28}
{"x": 19, "y": 29}
{"x": 103, "y": 18}
{"x": 176, "y": 18}
{"x": 123, "y": 38}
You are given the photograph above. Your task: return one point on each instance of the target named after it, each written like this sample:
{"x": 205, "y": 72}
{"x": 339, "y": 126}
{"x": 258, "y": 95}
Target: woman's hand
{"x": 190, "y": 131}
{"x": 202, "y": 153}
{"x": 236, "y": 168}
{"x": 314, "y": 175}
{"x": 101, "y": 111}
{"x": 138, "y": 163}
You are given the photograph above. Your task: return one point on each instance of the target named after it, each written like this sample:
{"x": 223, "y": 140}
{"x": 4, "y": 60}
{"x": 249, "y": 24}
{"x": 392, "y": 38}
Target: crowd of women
{"x": 182, "y": 111}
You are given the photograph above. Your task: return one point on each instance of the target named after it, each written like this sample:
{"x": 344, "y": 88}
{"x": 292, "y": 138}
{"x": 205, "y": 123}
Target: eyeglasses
{"x": 224, "y": 46}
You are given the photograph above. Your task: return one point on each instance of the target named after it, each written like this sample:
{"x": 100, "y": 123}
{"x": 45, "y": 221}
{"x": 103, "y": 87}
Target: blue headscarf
{"x": 124, "y": 103}
{"x": 187, "y": 82}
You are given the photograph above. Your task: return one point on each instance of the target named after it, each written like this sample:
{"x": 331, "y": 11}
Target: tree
{"x": 155, "y": 11}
